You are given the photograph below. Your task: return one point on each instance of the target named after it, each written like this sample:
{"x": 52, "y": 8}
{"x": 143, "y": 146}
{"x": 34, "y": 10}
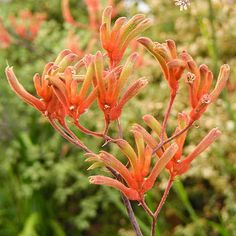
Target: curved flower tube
{"x": 140, "y": 177}
{"x": 171, "y": 64}
{"x": 178, "y": 164}
{"x": 199, "y": 81}
{"x": 112, "y": 94}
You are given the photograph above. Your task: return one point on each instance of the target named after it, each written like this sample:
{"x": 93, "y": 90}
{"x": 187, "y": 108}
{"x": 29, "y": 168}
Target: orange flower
{"x": 115, "y": 40}
{"x": 178, "y": 164}
{"x": 5, "y": 39}
{"x": 171, "y": 64}
{"x": 199, "y": 81}
{"x": 94, "y": 14}
{"x": 58, "y": 87}
{"x": 28, "y": 24}
{"x": 183, "y": 164}
{"x": 111, "y": 84}
{"x": 140, "y": 177}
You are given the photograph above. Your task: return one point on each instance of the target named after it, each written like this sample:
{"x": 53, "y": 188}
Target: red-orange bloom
{"x": 94, "y": 13}
{"x": 140, "y": 177}
{"x": 171, "y": 64}
{"x": 57, "y": 88}
{"x": 178, "y": 164}
{"x": 111, "y": 85}
{"x": 116, "y": 40}
{"x": 28, "y": 24}
{"x": 5, "y": 39}
{"x": 199, "y": 81}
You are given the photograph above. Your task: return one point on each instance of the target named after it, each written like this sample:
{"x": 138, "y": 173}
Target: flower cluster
{"x": 110, "y": 85}
{"x": 178, "y": 164}
{"x": 26, "y": 26}
{"x": 199, "y": 81}
{"x": 116, "y": 40}
{"x": 65, "y": 90}
{"x": 140, "y": 177}
{"x": 71, "y": 84}
{"x": 171, "y": 64}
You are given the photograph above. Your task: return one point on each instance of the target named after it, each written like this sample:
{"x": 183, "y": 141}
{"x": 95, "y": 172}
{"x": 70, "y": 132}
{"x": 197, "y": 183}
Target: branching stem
{"x": 160, "y": 145}
{"x": 146, "y": 208}
{"x": 154, "y": 215}
{"x": 128, "y": 206}
{"x": 72, "y": 138}
{"x": 164, "y": 196}
{"x": 92, "y": 133}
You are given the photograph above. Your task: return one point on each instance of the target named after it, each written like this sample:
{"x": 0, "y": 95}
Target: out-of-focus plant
{"x": 69, "y": 86}
{"x": 24, "y": 27}
{"x": 183, "y": 4}
{"x": 94, "y": 9}
{"x": 4, "y": 36}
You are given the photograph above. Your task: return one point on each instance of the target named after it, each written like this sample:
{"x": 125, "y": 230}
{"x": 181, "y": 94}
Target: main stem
{"x": 159, "y": 207}
{"x": 71, "y": 137}
{"x": 165, "y": 194}
{"x": 151, "y": 214}
{"x": 153, "y": 228}
{"x": 131, "y": 215}
{"x": 172, "y": 137}
{"x": 126, "y": 201}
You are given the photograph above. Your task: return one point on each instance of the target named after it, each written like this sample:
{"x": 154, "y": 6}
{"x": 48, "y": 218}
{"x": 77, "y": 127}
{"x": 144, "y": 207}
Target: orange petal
{"x": 130, "y": 193}
{"x": 159, "y": 166}
{"x": 150, "y": 46}
{"x": 111, "y": 161}
{"x": 203, "y": 145}
{"x": 21, "y": 92}
{"x": 221, "y": 82}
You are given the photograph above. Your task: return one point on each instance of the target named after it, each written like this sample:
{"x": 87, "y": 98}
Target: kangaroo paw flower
{"x": 115, "y": 40}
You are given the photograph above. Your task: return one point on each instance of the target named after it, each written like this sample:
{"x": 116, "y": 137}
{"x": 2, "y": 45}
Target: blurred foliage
{"x": 44, "y": 188}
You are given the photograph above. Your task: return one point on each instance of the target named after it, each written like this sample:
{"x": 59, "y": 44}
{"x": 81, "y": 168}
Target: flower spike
{"x": 60, "y": 91}
{"x": 199, "y": 81}
{"x": 166, "y": 54}
{"x": 112, "y": 94}
{"x": 183, "y": 165}
{"x": 116, "y": 40}
{"x": 141, "y": 176}
{"x": 177, "y": 165}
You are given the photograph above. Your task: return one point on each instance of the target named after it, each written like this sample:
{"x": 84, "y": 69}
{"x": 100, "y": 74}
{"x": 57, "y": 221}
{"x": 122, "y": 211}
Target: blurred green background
{"x": 44, "y": 186}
